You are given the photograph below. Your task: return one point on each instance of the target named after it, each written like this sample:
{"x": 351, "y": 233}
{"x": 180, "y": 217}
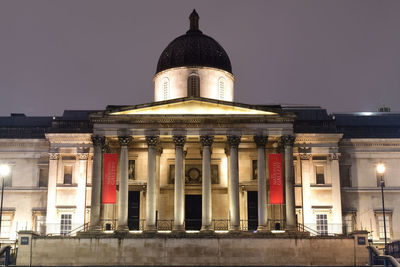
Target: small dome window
{"x": 194, "y": 85}
{"x": 221, "y": 88}
{"x": 165, "y": 88}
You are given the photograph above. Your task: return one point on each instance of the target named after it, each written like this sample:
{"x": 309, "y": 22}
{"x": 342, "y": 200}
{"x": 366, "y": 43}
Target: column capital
{"x": 261, "y": 140}
{"x": 233, "y": 140}
{"x": 124, "y": 140}
{"x": 179, "y": 140}
{"x": 54, "y": 156}
{"x": 206, "y": 140}
{"x": 98, "y": 140}
{"x": 152, "y": 140}
{"x": 305, "y": 156}
{"x": 83, "y": 156}
{"x": 288, "y": 140}
{"x": 334, "y": 156}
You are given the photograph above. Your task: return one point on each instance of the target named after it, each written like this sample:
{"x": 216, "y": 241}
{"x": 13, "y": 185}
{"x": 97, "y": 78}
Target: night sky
{"x": 341, "y": 55}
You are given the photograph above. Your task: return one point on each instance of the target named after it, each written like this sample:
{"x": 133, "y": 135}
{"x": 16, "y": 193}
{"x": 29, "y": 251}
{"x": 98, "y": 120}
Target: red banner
{"x": 110, "y": 178}
{"x": 275, "y": 179}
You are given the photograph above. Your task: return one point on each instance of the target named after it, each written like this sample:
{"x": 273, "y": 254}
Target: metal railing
{"x": 376, "y": 259}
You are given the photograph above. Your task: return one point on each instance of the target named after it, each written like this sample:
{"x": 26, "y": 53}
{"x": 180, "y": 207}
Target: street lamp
{"x": 380, "y": 169}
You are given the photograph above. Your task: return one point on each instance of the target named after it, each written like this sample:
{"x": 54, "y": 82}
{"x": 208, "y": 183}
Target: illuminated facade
{"x": 195, "y": 160}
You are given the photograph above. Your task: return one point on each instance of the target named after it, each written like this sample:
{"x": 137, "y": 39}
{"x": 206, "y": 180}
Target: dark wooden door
{"x": 252, "y": 209}
{"x": 193, "y": 212}
{"x": 133, "y": 210}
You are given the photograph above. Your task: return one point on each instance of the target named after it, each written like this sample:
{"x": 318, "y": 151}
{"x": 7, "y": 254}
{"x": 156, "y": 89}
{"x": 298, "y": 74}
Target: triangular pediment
{"x": 192, "y": 107}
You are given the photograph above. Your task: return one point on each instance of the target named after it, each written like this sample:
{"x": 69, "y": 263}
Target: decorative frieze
{"x": 179, "y": 140}
{"x": 261, "y": 140}
{"x": 206, "y": 140}
{"x": 83, "y": 156}
{"x": 54, "y": 156}
{"x": 233, "y": 141}
{"x": 152, "y": 140}
{"x": 124, "y": 140}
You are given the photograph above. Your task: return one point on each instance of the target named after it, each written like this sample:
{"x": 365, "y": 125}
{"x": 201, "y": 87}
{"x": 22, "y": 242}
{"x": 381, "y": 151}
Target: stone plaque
{"x": 361, "y": 240}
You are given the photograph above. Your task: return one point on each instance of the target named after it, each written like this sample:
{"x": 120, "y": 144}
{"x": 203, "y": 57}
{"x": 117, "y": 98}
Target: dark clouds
{"x": 56, "y": 55}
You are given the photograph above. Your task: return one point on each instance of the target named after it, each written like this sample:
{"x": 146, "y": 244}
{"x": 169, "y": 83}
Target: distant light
{"x": 277, "y": 231}
{"x": 4, "y": 170}
{"x": 366, "y": 113}
{"x": 380, "y": 168}
{"x": 192, "y": 231}
{"x": 108, "y": 231}
{"x": 164, "y": 231}
{"x": 221, "y": 231}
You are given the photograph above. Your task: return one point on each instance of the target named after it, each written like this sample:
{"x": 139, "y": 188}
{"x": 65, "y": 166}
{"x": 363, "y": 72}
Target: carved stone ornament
{"x": 305, "y": 156}
{"x": 152, "y": 140}
{"x": 124, "y": 140}
{"x": 333, "y": 156}
{"x": 83, "y": 156}
{"x": 98, "y": 140}
{"x": 54, "y": 156}
{"x": 288, "y": 140}
{"x": 206, "y": 140}
{"x": 179, "y": 140}
{"x": 261, "y": 140}
{"x": 234, "y": 141}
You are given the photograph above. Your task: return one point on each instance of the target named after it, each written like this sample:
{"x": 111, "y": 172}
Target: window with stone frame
{"x": 380, "y": 224}
{"x": 65, "y": 223}
{"x": 345, "y": 175}
{"x": 322, "y": 224}
{"x": 43, "y": 175}
{"x": 348, "y": 222}
{"x": 40, "y": 223}
{"x": 68, "y": 174}
{"x": 194, "y": 85}
{"x": 6, "y": 223}
{"x": 320, "y": 174}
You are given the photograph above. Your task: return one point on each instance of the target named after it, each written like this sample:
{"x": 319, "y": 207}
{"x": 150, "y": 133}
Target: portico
{"x": 191, "y": 154}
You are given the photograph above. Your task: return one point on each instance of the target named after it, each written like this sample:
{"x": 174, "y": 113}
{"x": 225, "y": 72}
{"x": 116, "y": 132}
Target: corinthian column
{"x": 179, "y": 195}
{"x": 206, "y": 142}
{"x": 152, "y": 142}
{"x": 123, "y": 184}
{"x": 233, "y": 187}
{"x": 98, "y": 143}
{"x": 288, "y": 141}
{"x": 261, "y": 141}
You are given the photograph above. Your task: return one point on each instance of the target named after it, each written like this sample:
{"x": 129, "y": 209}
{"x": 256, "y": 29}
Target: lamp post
{"x": 4, "y": 171}
{"x": 380, "y": 168}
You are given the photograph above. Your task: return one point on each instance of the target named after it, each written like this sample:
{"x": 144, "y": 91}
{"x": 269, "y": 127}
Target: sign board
{"x": 24, "y": 240}
{"x": 361, "y": 240}
{"x": 275, "y": 179}
{"x": 110, "y": 178}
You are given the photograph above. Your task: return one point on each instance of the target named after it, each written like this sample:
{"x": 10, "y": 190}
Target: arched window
{"x": 221, "y": 88}
{"x": 165, "y": 88}
{"x": 194, "y": 85}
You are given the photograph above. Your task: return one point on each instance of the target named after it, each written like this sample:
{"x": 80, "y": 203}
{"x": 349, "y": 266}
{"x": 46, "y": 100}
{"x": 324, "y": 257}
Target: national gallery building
{"x": 194, "y": 160}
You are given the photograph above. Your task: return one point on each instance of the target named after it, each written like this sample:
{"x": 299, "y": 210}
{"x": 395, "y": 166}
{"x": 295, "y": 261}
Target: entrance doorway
{"x": 192, "y": 212}
{"x": 252, "y": 210}
{"x": 134, "y": 210}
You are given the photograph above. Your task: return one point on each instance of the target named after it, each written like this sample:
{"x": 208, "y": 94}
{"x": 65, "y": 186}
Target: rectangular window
{"x": 319, "y": 174}
{"x": 6, "y": 223}
{"x": 40, "y": 224}
{"x": 322, "y": 224}
{"x": 66, "y": 224}
{"x": 381, "y": 227}
{"x": 43, "y": 176}
{"x": 67, "y": 174}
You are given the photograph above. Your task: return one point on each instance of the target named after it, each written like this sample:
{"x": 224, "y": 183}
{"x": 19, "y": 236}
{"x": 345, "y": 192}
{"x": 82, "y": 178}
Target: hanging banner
{"x": 110, "y": 178}
{"x": 275, "y": 179}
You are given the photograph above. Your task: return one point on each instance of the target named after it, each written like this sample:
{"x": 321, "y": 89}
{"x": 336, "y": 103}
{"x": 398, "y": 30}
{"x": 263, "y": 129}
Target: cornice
{"x": 74, "y": 138}
{"x": 371, "y": 142}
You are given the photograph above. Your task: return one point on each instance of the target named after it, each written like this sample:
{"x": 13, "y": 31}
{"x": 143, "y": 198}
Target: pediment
{"x": 193, "y": 107}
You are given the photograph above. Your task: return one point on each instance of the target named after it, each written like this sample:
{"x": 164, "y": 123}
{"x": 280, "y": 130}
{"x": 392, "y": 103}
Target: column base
{"x": 122, "y": 228}
{"x": 234, "y": 229}
{"x": 95, "y": 228}
{"x": 262, "y": 229}
{"x": 178, "y": 229}
{"x": 291, "y": 228}
{"x": 150, "y": 229}
{"x": 206, "y": 229}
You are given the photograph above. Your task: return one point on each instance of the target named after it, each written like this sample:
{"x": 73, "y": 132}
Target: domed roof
{"x": 194, "y": 49}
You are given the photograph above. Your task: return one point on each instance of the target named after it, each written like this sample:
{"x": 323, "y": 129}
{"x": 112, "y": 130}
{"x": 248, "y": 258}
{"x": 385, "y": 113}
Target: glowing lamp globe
{"x": 4, "y": 170}
{"x": 380, "y": 168}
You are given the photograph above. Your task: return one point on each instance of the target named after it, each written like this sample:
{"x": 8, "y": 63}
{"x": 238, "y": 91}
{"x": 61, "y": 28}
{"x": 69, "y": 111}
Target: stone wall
{"x": 166, "y": 250}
